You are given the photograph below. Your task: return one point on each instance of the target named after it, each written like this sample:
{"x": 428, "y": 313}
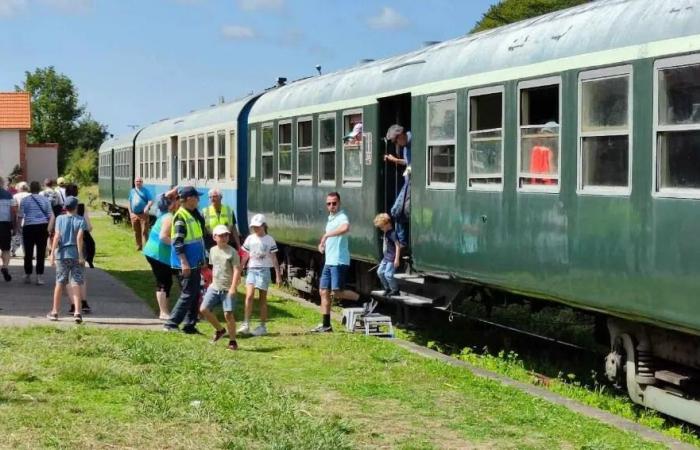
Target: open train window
{"x": 304, "y": 150}
{"x": 442, "y": 139}
{"x": 221, "y": 156}
{"x": 192, "y": 159}
{"x": 326, "y": 149}
{"x": 485, "y": 149}
{"x": 284, "y": 152}
{"x": 605, "y": 122}
{"x": 267, "y": 153}
{"x": 183, "y": 158}
{"x": 539, "y": 135}
{"x": 352, "y": 147}
{"x": 677, "y": 126}
{"x": 211, "y": 154}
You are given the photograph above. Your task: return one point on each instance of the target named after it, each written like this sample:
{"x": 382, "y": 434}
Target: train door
{"x": 392, "y": 110}
{"x": 174, "y": 165}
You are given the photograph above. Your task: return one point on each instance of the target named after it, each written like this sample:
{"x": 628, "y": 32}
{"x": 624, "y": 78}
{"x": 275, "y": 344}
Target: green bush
{"x": 81, "y": 167}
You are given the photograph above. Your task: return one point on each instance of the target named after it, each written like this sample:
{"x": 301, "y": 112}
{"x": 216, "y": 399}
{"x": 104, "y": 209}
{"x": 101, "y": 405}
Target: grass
{"x": 97, "y": 388}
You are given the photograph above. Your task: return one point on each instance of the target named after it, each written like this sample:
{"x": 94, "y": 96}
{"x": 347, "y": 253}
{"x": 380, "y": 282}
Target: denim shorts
{"x": 214, "y": 298}
{"x": 69, "y": 270}
{"x": 259, "y": 277}
{"x": 333, "y": 277}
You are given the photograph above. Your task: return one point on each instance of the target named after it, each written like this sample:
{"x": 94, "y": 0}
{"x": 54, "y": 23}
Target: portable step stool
{"x": 373, "y": 324}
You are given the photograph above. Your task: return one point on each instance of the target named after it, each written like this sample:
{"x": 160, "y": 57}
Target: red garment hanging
{"x": 540, "y": 162}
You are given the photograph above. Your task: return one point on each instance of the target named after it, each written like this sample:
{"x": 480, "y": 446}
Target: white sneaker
{"x": 244, "y": 328}
{"x": 27, "y": 279}
{"x": 261, "y": 330}
{"x": 39, "y": 280}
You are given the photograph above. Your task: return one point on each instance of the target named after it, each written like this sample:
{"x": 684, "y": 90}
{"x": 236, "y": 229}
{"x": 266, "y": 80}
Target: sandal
{"x": 78, "y": 318}
{"x": 52, "y": 317}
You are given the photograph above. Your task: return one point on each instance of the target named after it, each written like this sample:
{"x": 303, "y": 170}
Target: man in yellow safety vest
{"x": 219, "y": 214}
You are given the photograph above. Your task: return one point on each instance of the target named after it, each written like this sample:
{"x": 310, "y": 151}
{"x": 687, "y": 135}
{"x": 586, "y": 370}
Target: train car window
{"x": 183, "y": 159}
{"x": 233, "y": 148}
{"x": 221, "y": 156}
{"x": 146, "y": 160}
{"x": 158, "y": 160}
{"x": 152, "y": 161}
{"x": 165, "y": 164}
{"x": 192, "y": 161}
{"x": 211, "y": 153}
{"x": 200, "y": 157}
{"x": 284, "y": 152}
{"x": 442, "y": 139}
{"x": 141, "y": 161}
{"x": 352, "y": 148}
{"x": 538, "y": 133}
{"x": 253, "y": 151}
{"x": 304, "y": 151}
{"x": 604, "y": 131}
{"x": 326, "y": 149}
{"x": 485, "y": 149}
{"x": 677, "y": 127}
{"x": 268, "y": 174}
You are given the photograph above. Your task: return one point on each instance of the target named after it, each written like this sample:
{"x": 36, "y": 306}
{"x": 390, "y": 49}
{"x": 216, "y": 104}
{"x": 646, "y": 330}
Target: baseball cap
{"x": 220, "y": 229}
{"x": 71, "y": 203}
{"x": 258, "y": 220}
{"x": 393, "y": 131}
{"x": 357, "y": 129}
{"x": 187, "y": 191}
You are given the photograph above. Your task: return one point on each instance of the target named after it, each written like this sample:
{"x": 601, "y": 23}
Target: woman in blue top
{"x": 157, "y": 251}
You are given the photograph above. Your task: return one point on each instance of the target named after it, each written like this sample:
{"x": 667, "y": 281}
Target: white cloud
{"x": 388, "y": 18}
{"x": 238, "y": 32}
{"x": 9, "y": 8}
{"x": 70, "y": 6}
{"x": 255, "y": 5}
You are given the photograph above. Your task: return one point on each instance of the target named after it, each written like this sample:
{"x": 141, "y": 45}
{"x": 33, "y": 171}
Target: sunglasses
{"x": 331, "y": 203}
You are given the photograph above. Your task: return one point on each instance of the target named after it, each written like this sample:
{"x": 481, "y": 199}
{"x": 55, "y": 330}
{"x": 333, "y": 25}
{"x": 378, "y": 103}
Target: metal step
{"x": 406, "y": 298}
{"x": 410, "y": 277}
{"x": 674, "y": 378}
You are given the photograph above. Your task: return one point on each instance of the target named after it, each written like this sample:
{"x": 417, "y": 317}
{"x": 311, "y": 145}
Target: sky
{"x": 135, "y": 62}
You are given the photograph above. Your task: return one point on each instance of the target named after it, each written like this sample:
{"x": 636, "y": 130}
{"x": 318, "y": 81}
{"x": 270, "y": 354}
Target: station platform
{"x": 113, "y": 303}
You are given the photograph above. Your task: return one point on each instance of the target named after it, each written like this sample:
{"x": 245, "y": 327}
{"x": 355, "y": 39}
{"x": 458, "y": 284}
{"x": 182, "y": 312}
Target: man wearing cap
{"x": 400, "y": 211}
{"x": 8, "y": 225}
{"x": 219, "y": 214}
{"x": 140, "y": 202}
{"x": 187, "y": 256}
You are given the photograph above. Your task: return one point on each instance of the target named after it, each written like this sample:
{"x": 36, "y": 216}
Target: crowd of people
{"x": 48, "y": 221}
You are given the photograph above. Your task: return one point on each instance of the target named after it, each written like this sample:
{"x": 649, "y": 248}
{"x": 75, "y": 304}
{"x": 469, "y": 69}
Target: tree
{"x": 57, "y": 115}
{"x": 510, "y": 11}
{"x": 81, "y": 166}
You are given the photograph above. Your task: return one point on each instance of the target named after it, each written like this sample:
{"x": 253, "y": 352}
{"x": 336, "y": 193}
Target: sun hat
{"x": 220, "y": 229}
{"x": 393, "y": 132}
{"x": 71, "y": 203}
{"x": 258, "y": 220}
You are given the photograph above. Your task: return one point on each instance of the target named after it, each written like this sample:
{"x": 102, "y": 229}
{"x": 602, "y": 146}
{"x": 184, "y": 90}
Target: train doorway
{"x": 392, "y": 110}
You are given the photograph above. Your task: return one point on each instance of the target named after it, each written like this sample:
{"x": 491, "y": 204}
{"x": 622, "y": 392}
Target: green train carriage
{"x": 554, "y": 158}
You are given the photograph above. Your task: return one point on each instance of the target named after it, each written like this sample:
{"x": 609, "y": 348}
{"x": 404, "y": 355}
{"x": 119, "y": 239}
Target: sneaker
{"x": 170, "y": 329}
{"x": 78, "y": 318}
{"x": 233, "y": 345}
{"x": 27, "y": 279}
{"x": 244, "y": 328}
{"x": 191, "y": 330}
{"x": 6, "y": 274}
{"x": 320, "y": 328}
{"x": 39, "y": 280}
{"x": 85, "y": 307}
{"x": 218, "y": 335}
{"x": 260, "y": 330}
{"x": 53, "y": 317}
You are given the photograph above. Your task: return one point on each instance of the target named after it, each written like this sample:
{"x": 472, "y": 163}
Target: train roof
{"x": 118, "y": 142}
{"x": 589, "y": 28}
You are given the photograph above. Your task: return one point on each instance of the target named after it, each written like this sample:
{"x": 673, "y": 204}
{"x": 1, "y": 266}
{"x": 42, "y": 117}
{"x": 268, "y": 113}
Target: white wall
{"x": 9, "y": 151}
{"x": 42, "y": 162}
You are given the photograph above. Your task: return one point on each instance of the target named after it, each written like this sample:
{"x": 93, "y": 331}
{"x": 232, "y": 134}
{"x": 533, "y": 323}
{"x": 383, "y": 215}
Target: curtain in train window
{"x": 539, "y": 136}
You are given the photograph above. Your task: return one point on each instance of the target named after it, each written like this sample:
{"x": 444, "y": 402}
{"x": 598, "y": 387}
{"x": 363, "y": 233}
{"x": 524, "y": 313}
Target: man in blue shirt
{"x": 334, "y": 245}
{"x": 140, "y": 202}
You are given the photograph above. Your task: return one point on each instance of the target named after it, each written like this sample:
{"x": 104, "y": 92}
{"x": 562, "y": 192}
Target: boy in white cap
{"x": 222, "y": 290}
{"x": 261, "y": 256}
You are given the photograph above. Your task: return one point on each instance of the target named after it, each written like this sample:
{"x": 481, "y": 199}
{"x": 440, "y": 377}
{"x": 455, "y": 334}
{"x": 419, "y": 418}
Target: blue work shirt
{"x": 337, "y": 249}
{"x": 139, "y": 199}
{"x": 67, "y": 227}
